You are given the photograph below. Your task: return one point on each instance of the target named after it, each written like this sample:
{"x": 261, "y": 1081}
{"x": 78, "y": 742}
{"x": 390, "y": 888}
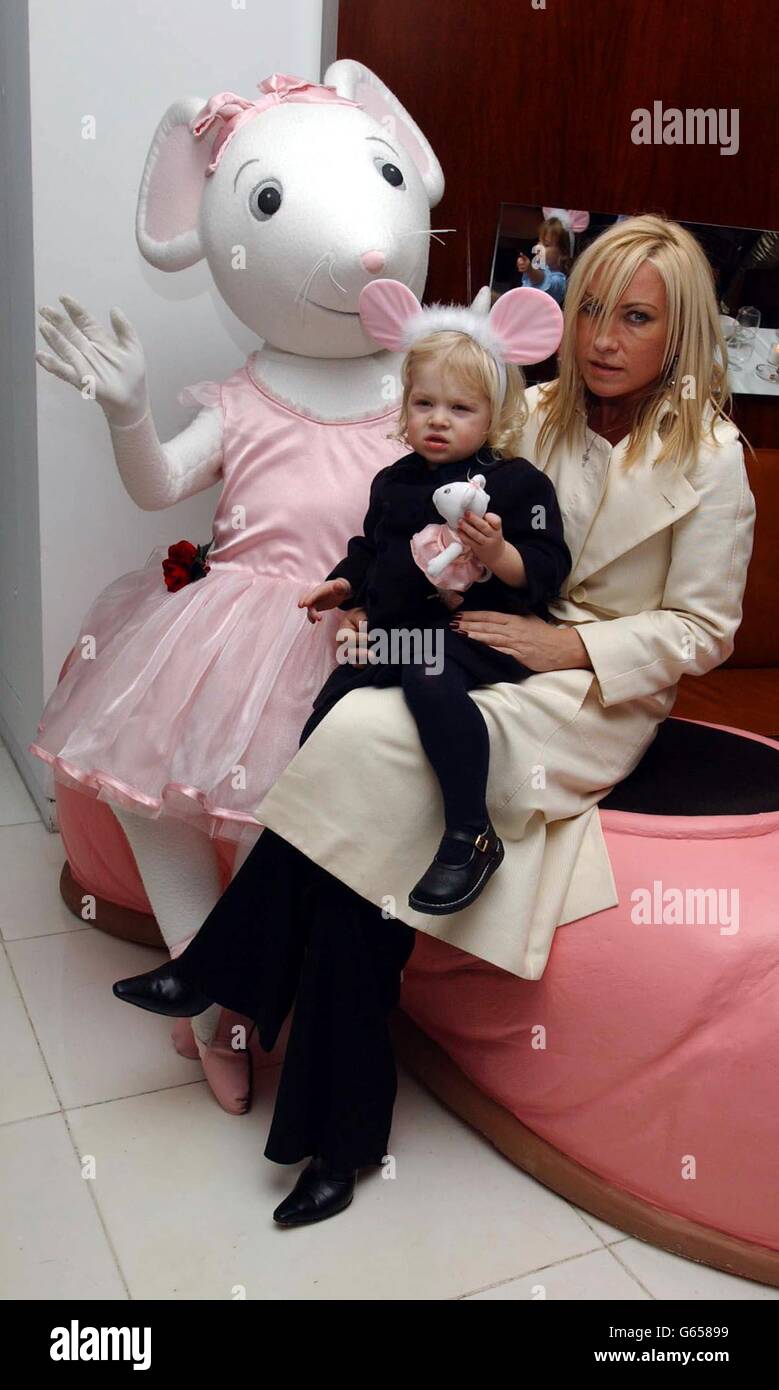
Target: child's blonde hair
{"x": 692, "y": 340}
{"x": 465, "y": 361}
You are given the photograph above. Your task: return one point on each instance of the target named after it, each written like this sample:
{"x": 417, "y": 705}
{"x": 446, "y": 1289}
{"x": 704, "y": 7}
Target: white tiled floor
{"x": 181, "y": 1198}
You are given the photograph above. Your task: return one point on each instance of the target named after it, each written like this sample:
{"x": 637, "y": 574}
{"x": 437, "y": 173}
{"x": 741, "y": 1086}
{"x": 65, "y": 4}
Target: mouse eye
{"x": 265, "y": 199}
{"x": 390, "y": 172}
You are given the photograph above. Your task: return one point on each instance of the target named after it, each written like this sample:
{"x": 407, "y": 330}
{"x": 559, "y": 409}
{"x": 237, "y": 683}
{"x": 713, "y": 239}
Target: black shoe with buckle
{"x": 451, "y": 887}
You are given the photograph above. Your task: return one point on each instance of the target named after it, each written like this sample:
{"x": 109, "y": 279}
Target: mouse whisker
{"x": 302, "y": 293}
{"x": 332, "y": 277}
{"x": 304, "y": 287}
{"x": 422, "y": 231}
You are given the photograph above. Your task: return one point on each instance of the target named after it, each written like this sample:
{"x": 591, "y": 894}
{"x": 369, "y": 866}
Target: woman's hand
{"x": 326, "y": 595}
{"x": 538, "y": 645}
{"x": 356, "y": 641}
{"x": 84, "y": 354}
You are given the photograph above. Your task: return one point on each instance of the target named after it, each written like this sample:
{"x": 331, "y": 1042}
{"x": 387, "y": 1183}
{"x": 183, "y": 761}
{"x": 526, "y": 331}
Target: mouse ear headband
{"x": 523, "y": 326}
{"x": 234, "y": 111}
{"x": 572, "y": 221}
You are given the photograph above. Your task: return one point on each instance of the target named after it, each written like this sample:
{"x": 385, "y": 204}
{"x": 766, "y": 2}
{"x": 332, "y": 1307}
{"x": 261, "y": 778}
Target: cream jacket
{"x": 660, "y": 560}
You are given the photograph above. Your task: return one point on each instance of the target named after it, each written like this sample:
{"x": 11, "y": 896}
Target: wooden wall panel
{"x": 529, "y": 105}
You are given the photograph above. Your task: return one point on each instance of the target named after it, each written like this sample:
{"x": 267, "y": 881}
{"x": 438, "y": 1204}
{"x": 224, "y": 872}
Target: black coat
{"x": 386, "y": 579}
{"x": 395, "y": 592}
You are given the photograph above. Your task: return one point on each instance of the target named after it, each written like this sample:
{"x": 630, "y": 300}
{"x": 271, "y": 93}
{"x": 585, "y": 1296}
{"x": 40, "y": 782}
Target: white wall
{"x": 67, "y": 527}
{"x": 21, "y": 653}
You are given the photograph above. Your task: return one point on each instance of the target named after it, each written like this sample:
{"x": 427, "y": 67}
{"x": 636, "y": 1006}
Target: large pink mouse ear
{"x": 573, "y": 220}
{"x": 579, "y": 221}
{"x": 385, "y": 307}
{"x": 528, "y": 323}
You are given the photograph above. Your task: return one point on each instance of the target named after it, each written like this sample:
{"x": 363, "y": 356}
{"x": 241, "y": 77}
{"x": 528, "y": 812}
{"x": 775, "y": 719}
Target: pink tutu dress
{"x": 194, "y": 702}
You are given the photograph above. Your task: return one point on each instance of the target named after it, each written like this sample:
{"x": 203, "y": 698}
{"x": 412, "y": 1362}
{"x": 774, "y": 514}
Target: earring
{"x": 671, "y": 373}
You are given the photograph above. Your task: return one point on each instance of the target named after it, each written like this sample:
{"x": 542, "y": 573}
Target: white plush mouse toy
{"x": 194, "y": 700}
{"x": 438, "y": 549}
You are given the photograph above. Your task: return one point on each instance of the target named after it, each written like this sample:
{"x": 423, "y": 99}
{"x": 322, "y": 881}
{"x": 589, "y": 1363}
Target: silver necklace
{"x": 586, "y": 455}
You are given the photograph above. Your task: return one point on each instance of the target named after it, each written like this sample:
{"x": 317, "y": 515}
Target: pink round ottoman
{"x": 640, "y": 1076}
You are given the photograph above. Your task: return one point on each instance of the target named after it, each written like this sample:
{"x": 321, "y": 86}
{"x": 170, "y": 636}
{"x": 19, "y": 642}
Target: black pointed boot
{"x": 163, "y": 991}
{"x": 319, "y": 1192}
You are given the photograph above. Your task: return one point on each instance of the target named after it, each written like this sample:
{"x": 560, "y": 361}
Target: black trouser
{"x": 286, "y": 930}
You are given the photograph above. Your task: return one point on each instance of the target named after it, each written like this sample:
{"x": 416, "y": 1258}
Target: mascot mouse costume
{"x": 193, "y": 698}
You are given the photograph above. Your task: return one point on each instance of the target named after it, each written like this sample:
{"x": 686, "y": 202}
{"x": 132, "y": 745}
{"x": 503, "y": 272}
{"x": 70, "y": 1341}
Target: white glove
{"x": 84, "y": 353}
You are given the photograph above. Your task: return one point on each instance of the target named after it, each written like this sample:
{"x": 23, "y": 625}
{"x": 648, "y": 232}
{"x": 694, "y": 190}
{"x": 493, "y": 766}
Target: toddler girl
{"x": 462, "y": 411}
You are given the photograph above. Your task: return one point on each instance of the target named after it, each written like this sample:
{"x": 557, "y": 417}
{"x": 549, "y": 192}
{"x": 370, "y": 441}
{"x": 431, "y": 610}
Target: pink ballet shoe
{"x": 184, "y": 1039}
{"x": 229, "y": 1071}
{"x": 229, "y": 1074}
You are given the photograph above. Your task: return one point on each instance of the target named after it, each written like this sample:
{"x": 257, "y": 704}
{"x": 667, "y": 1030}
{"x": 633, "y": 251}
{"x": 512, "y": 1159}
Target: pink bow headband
{"x": 523, "y": 326}
{"x": 234, "y": 111}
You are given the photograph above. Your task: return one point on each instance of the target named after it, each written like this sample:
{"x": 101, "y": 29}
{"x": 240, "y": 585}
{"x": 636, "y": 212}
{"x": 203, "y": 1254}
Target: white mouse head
{"x": 454, "y": 499}
{"x": 296, "y": 200}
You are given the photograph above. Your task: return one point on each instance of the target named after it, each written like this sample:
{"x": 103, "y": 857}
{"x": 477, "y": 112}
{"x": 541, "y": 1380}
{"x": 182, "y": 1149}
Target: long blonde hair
{"x": 465, "y": 361}
{"x": 693, "y": 335}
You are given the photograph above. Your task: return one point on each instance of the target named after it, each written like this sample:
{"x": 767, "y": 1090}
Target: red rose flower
{"x": 185, "y": 563}
{"x": 176, "y": 576}
{"x": 183, "y": 553}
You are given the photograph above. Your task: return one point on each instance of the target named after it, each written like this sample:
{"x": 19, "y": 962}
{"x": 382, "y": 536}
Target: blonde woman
{"x": 650, "y": 477}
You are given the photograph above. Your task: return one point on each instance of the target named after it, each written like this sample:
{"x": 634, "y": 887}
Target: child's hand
{"x": 523, "y": 262}
{"x": 326, "y": 595}
{"x": 484, "y": 535}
